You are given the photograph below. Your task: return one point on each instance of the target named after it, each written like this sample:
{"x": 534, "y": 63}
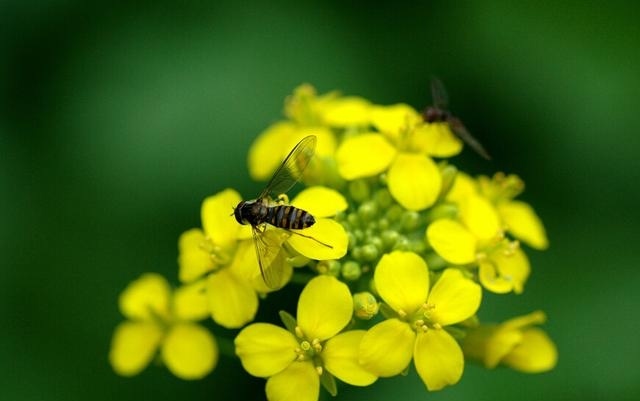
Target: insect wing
{"x": 271, "y": 259}
{"x": 439, "y": 94}
{"x": 291, "y": 169}
{"x": 461, "y": 132}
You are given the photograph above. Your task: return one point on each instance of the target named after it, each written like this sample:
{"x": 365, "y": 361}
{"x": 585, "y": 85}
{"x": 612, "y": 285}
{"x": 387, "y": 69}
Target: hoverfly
{"x": 264, "y": 211}
{"x": 438, "y": 113}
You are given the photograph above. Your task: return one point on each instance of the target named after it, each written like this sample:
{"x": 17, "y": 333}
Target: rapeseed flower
{"x": 223, "y": 251}
{"x": 294, "y": 361}
{"x": 477, "y": 238}
{"x": 402, "y": 146}
{"x": 163, "y": 319}
{"x": 417, "y": 330}
{"x": 515, "y": 343}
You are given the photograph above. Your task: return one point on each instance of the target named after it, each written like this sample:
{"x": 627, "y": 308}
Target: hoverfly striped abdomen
{"x": 290, "y": 217}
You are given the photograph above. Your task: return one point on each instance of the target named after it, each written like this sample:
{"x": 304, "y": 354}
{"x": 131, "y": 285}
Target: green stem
{"x": 226, "y": 346}
{"x": 301, "y": 278}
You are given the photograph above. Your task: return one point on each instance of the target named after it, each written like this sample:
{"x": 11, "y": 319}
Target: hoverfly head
{"x": 237, "y": 213}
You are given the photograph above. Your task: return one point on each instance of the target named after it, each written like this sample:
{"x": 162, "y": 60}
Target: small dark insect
{"x": 438, "y": 113}
{"x": 264, "y": 211}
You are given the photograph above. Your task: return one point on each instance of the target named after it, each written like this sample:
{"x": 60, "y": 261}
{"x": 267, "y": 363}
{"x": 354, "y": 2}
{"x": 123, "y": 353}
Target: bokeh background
{"x": 117, "y": 120}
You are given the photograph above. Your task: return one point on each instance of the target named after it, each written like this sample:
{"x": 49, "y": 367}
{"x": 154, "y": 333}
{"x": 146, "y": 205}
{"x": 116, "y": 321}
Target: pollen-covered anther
{"x": 402, "y": 313}
{"x": 299, "y": 332}
{"x": 317, "y": 347}
{"x": 216, "y": 254}
{"x": 319, "y": 370}
{"x": 511, "y": 248}
{"x": 436, "y": 326}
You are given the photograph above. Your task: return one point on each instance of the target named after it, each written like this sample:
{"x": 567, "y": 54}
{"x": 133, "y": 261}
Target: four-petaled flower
{"x": 515, "y": 343}
{"x": 294, "y": 362}
{"x": 402, "y": 146}
{"x": 161, "y": 319}
{"x": 224, "y": 252}
{"x": 477, "y": 237}
{"x": 421, "y": 314}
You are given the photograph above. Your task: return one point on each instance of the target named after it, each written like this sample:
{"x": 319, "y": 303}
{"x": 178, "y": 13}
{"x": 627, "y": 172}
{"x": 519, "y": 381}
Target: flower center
{"x": 422, "y": 319}
{"x": 218, "y": 255}
{"x": 309, "y": 351}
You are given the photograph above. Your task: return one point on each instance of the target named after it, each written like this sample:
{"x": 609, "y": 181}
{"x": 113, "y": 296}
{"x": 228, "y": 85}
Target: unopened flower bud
{"x": 365, "y": 305}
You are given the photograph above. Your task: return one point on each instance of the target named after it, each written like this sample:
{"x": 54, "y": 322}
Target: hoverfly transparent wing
{"x": 439, "y": 95}
{"x": 291, "y": 169}
{"x": 271, "y": 258}
{"x": 461, "y": 132}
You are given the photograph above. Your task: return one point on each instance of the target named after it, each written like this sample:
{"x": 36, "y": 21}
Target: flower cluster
{"x": 402, "y": 248}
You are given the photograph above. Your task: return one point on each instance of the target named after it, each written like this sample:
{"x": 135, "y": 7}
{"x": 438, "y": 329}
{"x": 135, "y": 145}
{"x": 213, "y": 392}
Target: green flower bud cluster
{"x": 376, "y": 224}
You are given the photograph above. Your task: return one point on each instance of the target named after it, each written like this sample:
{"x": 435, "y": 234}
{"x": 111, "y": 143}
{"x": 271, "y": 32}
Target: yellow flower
{"x": 159, "y": 319}
{"x": 295, "y": 362}
{"x": 308, "y": 114}
{"x": 220, "y": 252}
{"x": 516, "y": 217}
{"x": 224, "y": 251}
{"x": 418, "y": 330}
{"x": 514, "y": 343}
{"x": 402, "y": 147}
{"x": 478, "y": 239}
{"x": 519, "y": 217}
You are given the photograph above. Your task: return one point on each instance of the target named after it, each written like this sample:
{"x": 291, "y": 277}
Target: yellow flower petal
{"x": 387, "y": 347}
{"x": 320, "y": 201}
{"x": 455, "y": 297}
{"x": 480, "y": 217}
{"x": 340, "y": 357}
{"x": 536, "y": 353}
{"x": 265, "y": 349}
{"x": 146, "y": 298}
{"x": 133, "y": 346}
{"x": 324, "y": 240}
{"x": 346, "y": 112}
{"x": 452, "y": 241}
{"x": 245, "y": 264}
{"x": 438, "y": 359}
{"x": 463, "y": 187}
{"x": 490, "y": 278}
{"x": 266, "y": 153}
{"x": 391, "y": 120}
{"x": 518, "y": 322}
{"x": 524, "y": 224}
{"x": 298, "y": 382}
{"x": 270, "y": 148}
{"x": 364, "y": 156}
{"x": 190, "y": 301}
{"x": 193, "y": 260}
{"x": 505, "y": 271}
{"x": 232, "y": 301}
{"x": 414, "y": 181}
{"x": 325, "y": 306}
{"x": 190, "y": 351}
{"x": 499, "y": 344}
{"x": 436, "y": 139}
{"x": 402, "y": 280}
{"x": 217, "y": 218}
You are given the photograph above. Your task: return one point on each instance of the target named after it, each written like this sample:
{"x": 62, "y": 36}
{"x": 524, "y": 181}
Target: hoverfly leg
{"x": 282, "y": 199}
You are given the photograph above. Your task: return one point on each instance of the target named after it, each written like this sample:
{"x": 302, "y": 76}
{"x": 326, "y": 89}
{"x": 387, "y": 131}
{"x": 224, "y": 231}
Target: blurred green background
{"x": 116, "y": 121}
